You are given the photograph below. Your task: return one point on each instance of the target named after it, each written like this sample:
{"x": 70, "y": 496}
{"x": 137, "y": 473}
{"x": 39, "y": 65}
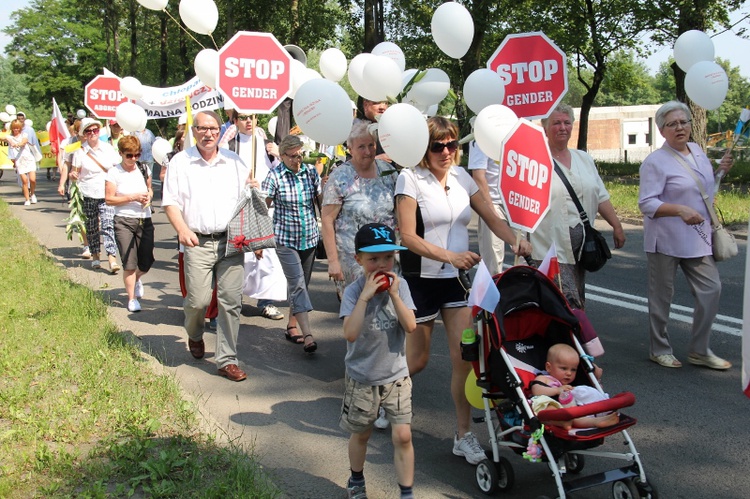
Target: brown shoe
{"x": 232, "y": 372}
{"x": 197, "y": 348}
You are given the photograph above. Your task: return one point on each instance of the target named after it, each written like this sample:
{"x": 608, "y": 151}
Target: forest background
{"x": 57, "y": 46}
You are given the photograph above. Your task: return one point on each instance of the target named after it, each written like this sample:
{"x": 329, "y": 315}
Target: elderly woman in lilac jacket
{"x": 677, "y": 233}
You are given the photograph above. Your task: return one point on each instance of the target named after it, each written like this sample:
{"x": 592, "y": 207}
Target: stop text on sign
{"x": 105, "y": 95}
{"x": 534, "y": 71}
{"x": 260, "y": 69}
{"x": 527, "y": 170}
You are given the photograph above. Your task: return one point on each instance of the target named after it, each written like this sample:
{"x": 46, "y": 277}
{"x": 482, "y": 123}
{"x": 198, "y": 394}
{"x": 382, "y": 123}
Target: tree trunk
{"x": 295, "y": 23}
{"x": 587, "y": 102}
{"x": 374, "y": 28}
{"x": 133, "y": 38}
{"x": 164, "y": 52}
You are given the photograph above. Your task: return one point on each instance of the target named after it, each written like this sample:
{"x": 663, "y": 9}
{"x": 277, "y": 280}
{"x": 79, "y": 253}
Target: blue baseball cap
{"x": 376, "y": 238}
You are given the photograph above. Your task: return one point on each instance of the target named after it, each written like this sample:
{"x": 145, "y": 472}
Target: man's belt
{"x": 215, "y": 235}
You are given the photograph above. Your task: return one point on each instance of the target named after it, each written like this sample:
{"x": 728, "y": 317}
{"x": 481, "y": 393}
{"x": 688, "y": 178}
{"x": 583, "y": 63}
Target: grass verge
{"x": 81, "y": 413}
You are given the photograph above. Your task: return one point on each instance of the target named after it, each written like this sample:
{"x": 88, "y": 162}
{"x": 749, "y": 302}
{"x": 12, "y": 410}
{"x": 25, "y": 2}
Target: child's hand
{"x": 372, "y": 283}
{"x": 566, "y": 388}
{"x": 393, "y": 290}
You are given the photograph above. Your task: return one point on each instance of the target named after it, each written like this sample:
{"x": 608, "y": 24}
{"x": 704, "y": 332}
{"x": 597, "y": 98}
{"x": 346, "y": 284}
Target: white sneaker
{"x": 27, "y": 203}
{"x": 86, "y": 255}
{"x": 382, "y": 422}
{"x": 271, "y": 312}
{"x": 96, "y": 264}
{"x": 138, "y": 289}
{"x": 134, "y": 306}
{"x": 33, "y": 199}
{"x": 469, "y": 447}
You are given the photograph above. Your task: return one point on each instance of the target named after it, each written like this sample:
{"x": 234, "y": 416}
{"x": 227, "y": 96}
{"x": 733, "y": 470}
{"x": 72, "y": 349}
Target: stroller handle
{"x": 624, "y": 399}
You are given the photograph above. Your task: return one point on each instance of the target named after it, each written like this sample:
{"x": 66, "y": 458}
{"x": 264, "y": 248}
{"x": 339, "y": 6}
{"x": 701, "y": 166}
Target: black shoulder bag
{"x": 595, "y": 251}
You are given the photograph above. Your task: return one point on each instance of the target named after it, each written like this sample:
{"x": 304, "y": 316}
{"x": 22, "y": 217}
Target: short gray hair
{"x": 212, "y": 114}
{"x": 665, "y": 109}
{"x": 360, "y": 130}
{"x": 289, "y": 142}
{"x": 560, "y": 108}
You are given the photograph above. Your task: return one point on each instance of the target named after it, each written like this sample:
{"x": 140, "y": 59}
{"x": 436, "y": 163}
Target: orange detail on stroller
{"x": 532, "y": 316}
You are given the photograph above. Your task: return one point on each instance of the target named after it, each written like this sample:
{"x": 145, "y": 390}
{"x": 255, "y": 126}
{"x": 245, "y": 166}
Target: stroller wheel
{"x": 646, "y": 489}
{"x": 574, "y": 463}
{"x": 625, "y": 489}
{"x": 492, "y": 476}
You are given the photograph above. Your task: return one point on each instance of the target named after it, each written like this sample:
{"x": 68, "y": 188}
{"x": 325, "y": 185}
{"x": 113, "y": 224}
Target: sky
{"x": 727, "y": 45}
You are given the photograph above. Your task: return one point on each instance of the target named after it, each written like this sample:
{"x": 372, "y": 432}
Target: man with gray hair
{"x": 201, "y": 189}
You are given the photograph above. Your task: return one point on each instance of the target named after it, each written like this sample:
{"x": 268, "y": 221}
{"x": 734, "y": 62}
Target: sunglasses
{"x": 437, "y": 147}
{"x": 91, "y": 131}
{"x": 132, "y": 156}
{"x": 243, "y": 117}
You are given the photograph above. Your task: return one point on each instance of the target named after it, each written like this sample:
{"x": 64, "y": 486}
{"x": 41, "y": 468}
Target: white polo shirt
{"x": 206, "y": 194}
{"x": 445, "y": 214}
{"x": 478, "y": 160}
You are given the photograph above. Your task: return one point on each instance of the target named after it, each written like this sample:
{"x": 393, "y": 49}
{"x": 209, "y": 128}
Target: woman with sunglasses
{"x": 293, "y": 189}
{"x": 562, "y": 224}
{"x": 433, "y": 208}
{"x": 128, "y": 189}
{"x": 90, "y": 165}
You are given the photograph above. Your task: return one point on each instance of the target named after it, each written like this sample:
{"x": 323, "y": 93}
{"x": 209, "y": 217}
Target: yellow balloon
{"x": 473, "y": 392}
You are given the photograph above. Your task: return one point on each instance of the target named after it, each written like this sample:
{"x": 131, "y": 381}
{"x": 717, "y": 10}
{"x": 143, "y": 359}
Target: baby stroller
{"x": 531, "y": 316}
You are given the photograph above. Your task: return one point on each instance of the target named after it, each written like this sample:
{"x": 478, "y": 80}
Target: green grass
{"x": 733, "y": 201}
{"x": 81, "y": 412}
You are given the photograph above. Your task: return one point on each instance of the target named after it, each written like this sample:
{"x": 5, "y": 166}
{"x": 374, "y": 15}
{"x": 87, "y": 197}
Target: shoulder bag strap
{"x": 566, "y": 183}
{"x": 95, "y": 161}
{"x": 709, "y": 206}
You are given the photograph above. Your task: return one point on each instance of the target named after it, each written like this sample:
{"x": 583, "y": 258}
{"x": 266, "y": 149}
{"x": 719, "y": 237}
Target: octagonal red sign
{"x": 254, "y": 72}
{"x": 525, "y": 175}
{"x": 103, "y": 95}
{"x": 534, "y": 71}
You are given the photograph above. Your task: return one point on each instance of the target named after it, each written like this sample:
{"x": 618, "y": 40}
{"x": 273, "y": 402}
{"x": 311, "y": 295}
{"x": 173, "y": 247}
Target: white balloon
{"x": 431, "y": 89}
{"x": 691, "y": 47}
{"x": 80, "y": 114}
{"x": 154, "y": 4}
{"x": 706, "y": 83}
{"x": 206, "y": 66}
{"x": 131, "y": 117}
{"x": 131, "y": 88}
{"x": 381, "y": 79}
{"x": 333, "y": 64}
{"x": 272, "y": 125}
{"x": 452, "y": 29}
{"x": 432, "y": 110}
{"x": 5, "y": 117}
{"x": 300, "y": 76}
{"x": 28, "y": 123}
{"x": 356, "y": 68}
{"x": 403, "y": 133}
{"x": 406, "y": 77}
{"x": 322, "y": 110}
{"x": 483, "y": 88}
{"x": 160, "y": 149}
{"x": 493, "y": 123}
{"x": 392, "y": 51}
{"x": 200, "y": 16}
{"x": 10, "y": 109}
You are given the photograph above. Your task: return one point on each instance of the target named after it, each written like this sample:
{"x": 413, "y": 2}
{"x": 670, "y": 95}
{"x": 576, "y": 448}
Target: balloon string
{"x": 212, "y": 39}
{"x": 185, "y": 30}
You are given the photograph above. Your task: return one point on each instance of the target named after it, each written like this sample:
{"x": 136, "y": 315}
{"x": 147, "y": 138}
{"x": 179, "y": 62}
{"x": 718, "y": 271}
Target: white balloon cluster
{"x": 131, "y": 117}
{"x": 201, "y": 16}
{"x": 706, "y": 82}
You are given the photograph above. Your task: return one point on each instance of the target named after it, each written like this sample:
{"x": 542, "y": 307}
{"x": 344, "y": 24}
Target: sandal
{"x": 310, "y": 347}
{"x": 297, "y": 339}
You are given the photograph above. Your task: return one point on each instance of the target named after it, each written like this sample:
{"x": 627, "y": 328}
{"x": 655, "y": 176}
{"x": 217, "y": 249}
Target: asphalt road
{"x": 692, "y": 429}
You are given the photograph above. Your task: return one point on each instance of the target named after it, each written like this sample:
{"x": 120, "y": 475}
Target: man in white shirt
{"x": 486, "y": 174}
{"x": 242, "y": 144}
{"x": 201, "y": 189}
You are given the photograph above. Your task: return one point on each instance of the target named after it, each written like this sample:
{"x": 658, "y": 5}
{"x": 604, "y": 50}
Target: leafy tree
{"x": 626, "y": 83}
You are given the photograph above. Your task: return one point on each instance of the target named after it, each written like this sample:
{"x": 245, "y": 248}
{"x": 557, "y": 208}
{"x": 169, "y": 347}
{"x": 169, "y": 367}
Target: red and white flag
{"x": 484, "y": 294}
{"x": 58, "y": 130}
{"x": 746, "y": 329}
{"x": 550, "y": 266}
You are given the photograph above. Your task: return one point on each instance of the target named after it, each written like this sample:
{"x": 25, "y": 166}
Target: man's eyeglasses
{"x": 437, "y": 147}
{"x": 132, "y": 156}
{"x": 91, "y": 131}
{"x": 243, "y": 117}
{"x": 294, "y": 156}
{"x": 681, "y": 123}
{"x": 207, "y": 129}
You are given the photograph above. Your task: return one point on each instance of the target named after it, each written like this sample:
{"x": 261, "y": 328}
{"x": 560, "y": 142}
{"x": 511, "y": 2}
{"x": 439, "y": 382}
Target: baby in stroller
{"x": 556, "y": 384}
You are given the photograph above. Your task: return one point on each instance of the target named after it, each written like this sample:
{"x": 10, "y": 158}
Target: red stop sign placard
{"x": 525, "y": 175}
{"x": 534, "y": 71}
{"x": 254, "y": 72}
{"x": 103, "y": 95}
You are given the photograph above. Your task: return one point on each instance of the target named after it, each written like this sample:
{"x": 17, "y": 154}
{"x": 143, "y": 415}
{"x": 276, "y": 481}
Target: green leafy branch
{"x": 76, "y": 221}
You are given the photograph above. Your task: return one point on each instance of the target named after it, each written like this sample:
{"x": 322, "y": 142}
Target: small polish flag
{"x": 58, "y": 131}
{"x": 550, "y": 266}
{"x": 484, "y": 294}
